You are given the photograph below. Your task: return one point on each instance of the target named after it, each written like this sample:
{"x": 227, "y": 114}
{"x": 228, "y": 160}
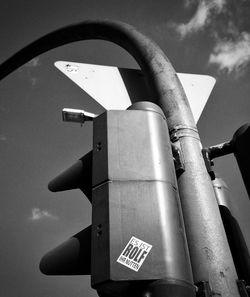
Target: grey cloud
{"x": 201, "y": 18}
{"x": 33, "y": 81}
{"x": 29, "y": 71}
{"x": 227, "y": 22}
{"x": 38, "y": 214}
{"x": 232, "y": 56}
{"x": 33, "y": 63}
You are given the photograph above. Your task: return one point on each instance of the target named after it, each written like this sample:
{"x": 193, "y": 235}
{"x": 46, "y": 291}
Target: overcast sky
{"x": 204, "y": 37}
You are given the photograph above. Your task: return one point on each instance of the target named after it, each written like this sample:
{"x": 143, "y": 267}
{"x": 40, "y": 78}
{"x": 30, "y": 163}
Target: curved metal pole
{"x": 209, "y": 251}
{"x": 159, "y": 72}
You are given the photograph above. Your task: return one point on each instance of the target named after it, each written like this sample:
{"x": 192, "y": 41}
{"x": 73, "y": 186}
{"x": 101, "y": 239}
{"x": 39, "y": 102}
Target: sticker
{"x": 134, "y": 253}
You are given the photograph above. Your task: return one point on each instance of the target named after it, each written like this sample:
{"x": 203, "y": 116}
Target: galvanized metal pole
{"x": 235, "y": 236}
{"x": 210, "y": 254}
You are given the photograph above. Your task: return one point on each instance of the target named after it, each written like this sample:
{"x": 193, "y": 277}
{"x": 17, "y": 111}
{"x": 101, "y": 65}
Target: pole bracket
{"x": 180, "y": 131}
{"x": 208, "y": 162}
{"x": 204, "y": 290}
{"x": 215, "y": 151}
{"x": 244, "y": 290}
{"x": 178, "y": 160}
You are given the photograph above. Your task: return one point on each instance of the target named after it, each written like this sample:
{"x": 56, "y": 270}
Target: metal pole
{"x": 210, "y": 254}
{"x": 235, "y": 236}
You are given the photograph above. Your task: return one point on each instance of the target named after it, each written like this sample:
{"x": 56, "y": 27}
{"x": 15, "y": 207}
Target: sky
{"x": 203, "y": 37}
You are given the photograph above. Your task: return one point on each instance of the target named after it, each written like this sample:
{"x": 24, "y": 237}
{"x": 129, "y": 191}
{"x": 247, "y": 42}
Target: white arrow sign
{"x": 116, "y": 88}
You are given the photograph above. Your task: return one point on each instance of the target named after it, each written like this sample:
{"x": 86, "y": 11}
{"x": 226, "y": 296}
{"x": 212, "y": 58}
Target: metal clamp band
{"x": 183, "y": 131}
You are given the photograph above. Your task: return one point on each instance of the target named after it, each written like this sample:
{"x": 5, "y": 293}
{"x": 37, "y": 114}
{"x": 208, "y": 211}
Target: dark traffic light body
{"x": 138, "y": 234}
{"x": 241, "y": 148}
{"x": 137, "y": 228}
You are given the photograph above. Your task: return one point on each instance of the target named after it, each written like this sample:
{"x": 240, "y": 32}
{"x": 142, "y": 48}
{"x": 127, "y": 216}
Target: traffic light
{"x": 233, "y": 231}
{"x": 137, "y": 234}
{"x": 241, "y": 148}
{"x": 196, "y": 192}
{"x": 78, "y": 176}
{"x": 73, "y": 256}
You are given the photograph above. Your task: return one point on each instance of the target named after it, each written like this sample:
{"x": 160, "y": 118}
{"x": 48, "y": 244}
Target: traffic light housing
{"x": 78, "y": 176}
{"x": 241, "y": 149}
{"x": 233, "y": 231}
{"x": 73, "y": 257}
{"x": 138, "y": 233}
{"x": 162, "y": 78}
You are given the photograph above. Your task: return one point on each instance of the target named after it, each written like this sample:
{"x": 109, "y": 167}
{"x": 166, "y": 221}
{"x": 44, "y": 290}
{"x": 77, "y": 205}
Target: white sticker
{"x": 134, "y": 254}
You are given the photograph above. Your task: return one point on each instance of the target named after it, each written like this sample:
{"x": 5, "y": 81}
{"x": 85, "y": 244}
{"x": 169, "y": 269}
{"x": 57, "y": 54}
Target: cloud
{"x": 3, "y": 137}
{"x": 232, "y": 55}
{"x": 188, "y": 3}
{"x": 33, "y": 81}
{"x": 33, "y": 63}
{"x": 38, "y": 214}
{"x": 202, "y": 17}
{"x": 29, "y": 71}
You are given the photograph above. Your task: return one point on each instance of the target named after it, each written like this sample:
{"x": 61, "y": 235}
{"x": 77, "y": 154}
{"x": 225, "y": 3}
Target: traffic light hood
{"x": 78, "y": 176}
